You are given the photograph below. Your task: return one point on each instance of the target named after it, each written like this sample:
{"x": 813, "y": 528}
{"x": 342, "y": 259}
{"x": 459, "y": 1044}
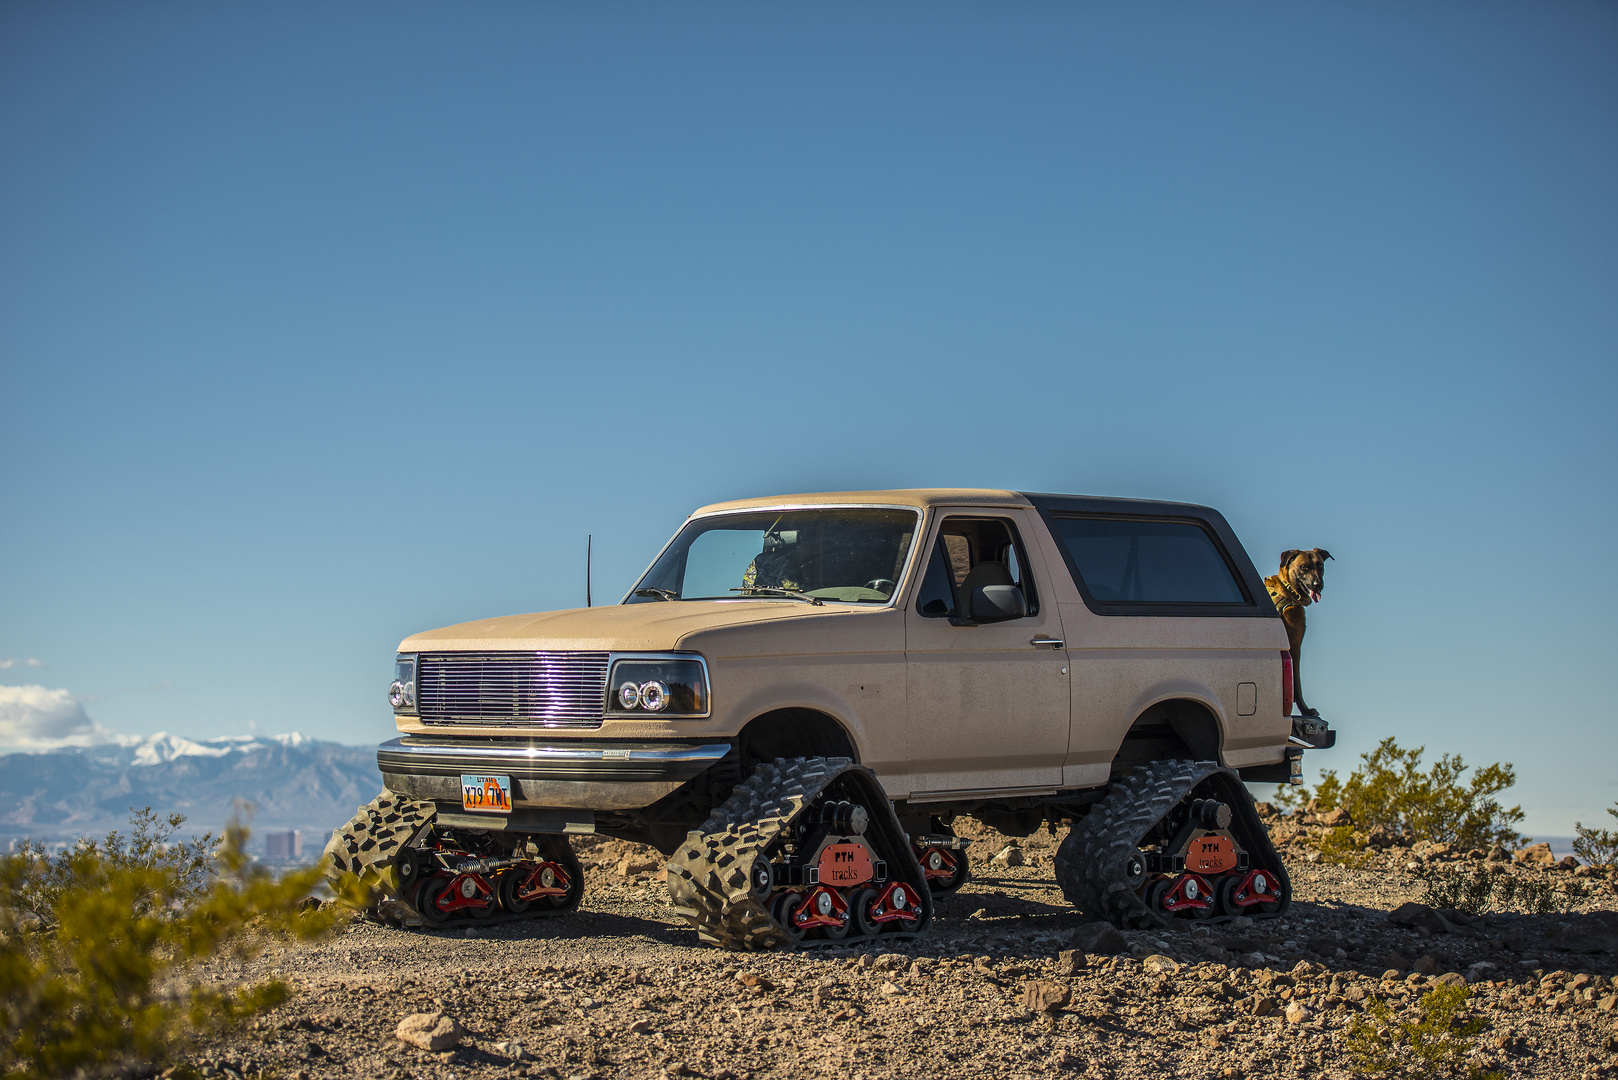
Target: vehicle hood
{"x": 620, "y": 628}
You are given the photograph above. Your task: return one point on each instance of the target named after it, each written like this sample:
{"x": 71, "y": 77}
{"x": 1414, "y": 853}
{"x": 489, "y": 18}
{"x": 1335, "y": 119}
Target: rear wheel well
{"x": 1177, "y": 729}
{"x": 790, "y": 733}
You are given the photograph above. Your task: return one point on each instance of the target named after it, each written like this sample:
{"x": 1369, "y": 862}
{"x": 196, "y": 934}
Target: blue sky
{"x": 321, "y": 325}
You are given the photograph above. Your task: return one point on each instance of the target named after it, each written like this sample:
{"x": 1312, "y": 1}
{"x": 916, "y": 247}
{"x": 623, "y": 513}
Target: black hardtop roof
{"x": 1107, "y": 504}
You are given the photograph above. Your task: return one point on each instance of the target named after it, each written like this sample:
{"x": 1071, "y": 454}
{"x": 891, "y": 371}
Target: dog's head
{"x": 1305, "y": 571}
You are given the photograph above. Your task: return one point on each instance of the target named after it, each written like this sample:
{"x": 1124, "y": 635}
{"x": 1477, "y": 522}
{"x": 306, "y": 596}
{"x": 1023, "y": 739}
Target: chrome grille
{"x": 555, "y": 689}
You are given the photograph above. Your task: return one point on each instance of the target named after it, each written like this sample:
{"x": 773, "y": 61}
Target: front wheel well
{"x": 1176, "y": 729}
{"x": 790, "y": 733}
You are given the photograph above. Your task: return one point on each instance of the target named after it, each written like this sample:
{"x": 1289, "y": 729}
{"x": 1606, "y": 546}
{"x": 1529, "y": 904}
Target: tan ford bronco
{"x": 802, "y": 693}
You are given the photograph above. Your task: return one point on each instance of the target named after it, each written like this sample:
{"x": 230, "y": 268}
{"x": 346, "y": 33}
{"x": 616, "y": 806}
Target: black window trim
{"x": 1243, "y": 576}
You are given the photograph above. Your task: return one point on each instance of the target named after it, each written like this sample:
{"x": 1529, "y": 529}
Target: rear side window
{"x": 1123, "y": 561}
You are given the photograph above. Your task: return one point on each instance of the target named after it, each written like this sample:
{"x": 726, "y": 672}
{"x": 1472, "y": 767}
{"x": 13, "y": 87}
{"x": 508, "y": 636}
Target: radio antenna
{"x": 589, "y": 543}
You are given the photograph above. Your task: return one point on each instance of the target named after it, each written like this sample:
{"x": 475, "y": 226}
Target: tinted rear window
{"x": 1124, "y": 561}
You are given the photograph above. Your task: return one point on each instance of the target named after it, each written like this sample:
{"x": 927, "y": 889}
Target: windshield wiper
{"x": 661, "y": 594}
{"x": 771, "y": 590}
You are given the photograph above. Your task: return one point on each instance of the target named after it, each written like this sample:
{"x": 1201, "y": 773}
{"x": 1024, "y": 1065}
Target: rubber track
{"x": 1090, "y": 860}
{"x": 368, "y": 846}
{"x": 708, "y": 876}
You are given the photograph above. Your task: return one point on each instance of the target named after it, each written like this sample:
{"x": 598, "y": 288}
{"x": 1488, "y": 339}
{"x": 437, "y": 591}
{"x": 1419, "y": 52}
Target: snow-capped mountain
{"x": 292, "y": 782}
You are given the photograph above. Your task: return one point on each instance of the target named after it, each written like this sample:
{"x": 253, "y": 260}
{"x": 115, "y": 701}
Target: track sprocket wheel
{"x": 713, "y": 875}
{"x": 1099, "y": 864}
{"x": 370, "y": 844}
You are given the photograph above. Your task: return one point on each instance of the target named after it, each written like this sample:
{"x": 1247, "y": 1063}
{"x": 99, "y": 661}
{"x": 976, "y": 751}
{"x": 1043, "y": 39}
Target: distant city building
{"x": 284, "y": 845}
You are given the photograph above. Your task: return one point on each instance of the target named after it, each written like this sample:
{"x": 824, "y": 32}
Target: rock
{"x": 1070, "y": 962}
{"x": 1428, "y": 965}
{"x": 1045, "y": 996}
{"x": 1381, "y": 837}
{"x": 634, "y": 863}
{"x": 1335, "y": 819}
{"x": 1356, "y": 993}
{"x": 1158, "y": 964}
{"x": 641, "y": 1027}
{"x": 1010, "y": 855}
{"x": 1498, "y": 854}
{"x": 890, "y": 961}
{"x": 1568, "y": 863}
{"x": 1266, "y": 811}
{"x": 1591, "y": 932}
{"x": 431, "y": 1031}
{"x": 751, "y": 979}
{"x": 890, "y": 988}
{"x": 1099, "y": 939}
{"x": 1607, "y": 1004}
{"x": 1420, "y": 917}
{"x": 1304, "y": 968}
{"x": 1263, "y": 1004}
{"x": 1536, "y": 855}
{"x": 1450, "y": 978}
{"x": 1297, "y": 1013}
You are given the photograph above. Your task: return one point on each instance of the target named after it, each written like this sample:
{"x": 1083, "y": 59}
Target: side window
{"x": 1128, "y": 561}
{"x": 936, "y": 598}
{"x": 972, "y": 552}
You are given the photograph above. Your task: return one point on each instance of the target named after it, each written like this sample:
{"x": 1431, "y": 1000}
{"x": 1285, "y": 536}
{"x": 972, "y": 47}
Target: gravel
{"x": 623, "y": 989}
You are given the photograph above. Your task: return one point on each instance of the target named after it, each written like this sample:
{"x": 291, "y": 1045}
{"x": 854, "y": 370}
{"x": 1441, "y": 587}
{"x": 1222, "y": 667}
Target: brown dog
{"x": 1302, "y": 576}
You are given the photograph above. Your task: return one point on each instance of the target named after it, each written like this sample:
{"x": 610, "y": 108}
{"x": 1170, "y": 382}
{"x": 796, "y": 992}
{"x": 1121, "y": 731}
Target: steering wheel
{"x": 881, "y": 584}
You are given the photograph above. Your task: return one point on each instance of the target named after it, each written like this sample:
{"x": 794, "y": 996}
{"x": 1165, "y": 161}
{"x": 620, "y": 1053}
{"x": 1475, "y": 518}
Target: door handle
{"x": 1047, "y": 642}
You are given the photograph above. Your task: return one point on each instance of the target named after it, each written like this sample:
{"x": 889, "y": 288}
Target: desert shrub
{"x": 1468, "y": 890}
{"x": 1442, "y": 804}
{"x": 98, "y": 946}
{"x": 1598, "y": 847}
{"x": 1345, "y": 847}
{"x": 1478, "y": 889}
{"x": 1436, "y": 1044}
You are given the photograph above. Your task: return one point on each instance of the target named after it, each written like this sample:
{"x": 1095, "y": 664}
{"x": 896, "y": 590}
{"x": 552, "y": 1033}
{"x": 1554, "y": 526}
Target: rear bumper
{"x": 593, "y": 774}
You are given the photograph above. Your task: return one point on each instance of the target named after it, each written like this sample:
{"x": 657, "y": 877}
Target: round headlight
{"x": 654, "y": 696}
{"x": 629, "y": 695}
{"x": 398, "y": 694}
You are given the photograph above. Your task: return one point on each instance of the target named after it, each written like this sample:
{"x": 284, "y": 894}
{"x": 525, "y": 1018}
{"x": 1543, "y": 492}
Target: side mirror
{"x": 997, "y": 603}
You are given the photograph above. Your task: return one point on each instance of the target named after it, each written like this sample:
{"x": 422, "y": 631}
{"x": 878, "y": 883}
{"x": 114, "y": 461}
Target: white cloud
{"x": 11, "y": 662}
{"x": 39, "y": 718}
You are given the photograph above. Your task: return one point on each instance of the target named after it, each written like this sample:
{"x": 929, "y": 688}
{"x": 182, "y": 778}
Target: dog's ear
{"x": 1324, "y": 554}
{"x": 1288, "y": 556}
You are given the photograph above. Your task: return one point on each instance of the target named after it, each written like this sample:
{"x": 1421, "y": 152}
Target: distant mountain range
{"x": 293, "y": 782}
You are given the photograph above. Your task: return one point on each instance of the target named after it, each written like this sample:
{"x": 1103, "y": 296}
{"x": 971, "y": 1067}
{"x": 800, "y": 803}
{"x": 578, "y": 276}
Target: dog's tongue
{"x": 1314, "y": 595}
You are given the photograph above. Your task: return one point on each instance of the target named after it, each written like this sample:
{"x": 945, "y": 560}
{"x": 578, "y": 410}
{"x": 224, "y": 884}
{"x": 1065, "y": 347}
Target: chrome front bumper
{"x": 592, "y": 774}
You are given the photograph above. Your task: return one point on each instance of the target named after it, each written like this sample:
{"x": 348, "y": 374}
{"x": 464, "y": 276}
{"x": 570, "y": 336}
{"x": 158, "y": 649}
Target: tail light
{"x": 1286, "y": 684}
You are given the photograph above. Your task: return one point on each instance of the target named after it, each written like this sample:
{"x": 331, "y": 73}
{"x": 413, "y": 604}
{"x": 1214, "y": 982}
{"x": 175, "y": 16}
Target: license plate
{"x": 486, "y": 794}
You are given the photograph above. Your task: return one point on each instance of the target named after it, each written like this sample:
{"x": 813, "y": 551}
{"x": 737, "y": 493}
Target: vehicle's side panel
{"x": 847, "y": 664}
{"x": 1124, "y": 664}
{"x": 988, "y": 708}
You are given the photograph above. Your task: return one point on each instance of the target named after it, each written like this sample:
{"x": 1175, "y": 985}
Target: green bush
{"x": 98, "y": 946}
{"x": 1436, "y": 1044}
{"x": 1598, "y": 847}
{"x": 1441, "y": 804}
{"x": 1476, "y": 890}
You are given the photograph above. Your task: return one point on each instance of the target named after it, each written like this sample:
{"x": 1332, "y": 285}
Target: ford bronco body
{"x": 801, "y": 693}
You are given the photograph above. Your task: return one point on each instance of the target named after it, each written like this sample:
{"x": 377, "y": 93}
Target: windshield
{"x": 852, "y": 555}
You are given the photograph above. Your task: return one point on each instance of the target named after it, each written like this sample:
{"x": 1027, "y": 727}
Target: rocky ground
{"x": 623, "y": 989}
